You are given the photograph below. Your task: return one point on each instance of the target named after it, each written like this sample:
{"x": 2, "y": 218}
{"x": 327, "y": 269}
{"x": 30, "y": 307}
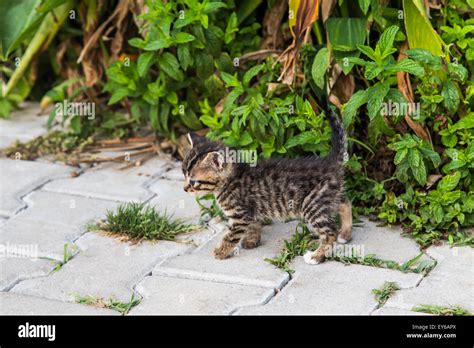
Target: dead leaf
{"x": 271, "y": 25}
{"x": 327, "y": 6}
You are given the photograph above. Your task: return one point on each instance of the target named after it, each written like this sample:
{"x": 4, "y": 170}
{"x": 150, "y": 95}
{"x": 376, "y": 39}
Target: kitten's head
{"x": 204, "y": 166}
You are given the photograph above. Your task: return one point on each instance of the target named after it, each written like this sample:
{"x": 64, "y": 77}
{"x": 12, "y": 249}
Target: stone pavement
{"x": 43, "y": 210}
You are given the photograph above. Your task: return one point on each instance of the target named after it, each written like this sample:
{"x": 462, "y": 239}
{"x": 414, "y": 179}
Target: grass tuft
{"x": 139, "y": 221}
{"x": 111, "y": 303}
{"x": 443, "y": 311}
{"x": 387, "y": 290}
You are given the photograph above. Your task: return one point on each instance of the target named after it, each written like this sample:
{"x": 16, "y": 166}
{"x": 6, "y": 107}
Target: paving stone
{"x": 395, "y": 311}
{"x": 107, "y": 181}
{"x": 247, "y": 268}
{"x": 15, "y": 304}
{"x": 52, "y": 220}
{"x": 171, "y": 197}
{"x": 450, "y": 283}
{"x": 105, "y": 267}
{"x": 14, "y": 269}
{"x": 385, "y": 242}
{"x": 331, "y": 288}
{"x": 17, "y": 178}
{"x": 175, "y": 296}
{"x": 23, "y": 125}
{"x": 174, "y": 174}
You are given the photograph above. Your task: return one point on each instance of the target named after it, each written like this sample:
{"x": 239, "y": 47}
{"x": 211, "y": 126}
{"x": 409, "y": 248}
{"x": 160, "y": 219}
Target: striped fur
{"x": 309, "y": 188}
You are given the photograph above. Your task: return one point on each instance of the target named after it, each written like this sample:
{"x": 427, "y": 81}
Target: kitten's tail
{"x": 338, "y": 137}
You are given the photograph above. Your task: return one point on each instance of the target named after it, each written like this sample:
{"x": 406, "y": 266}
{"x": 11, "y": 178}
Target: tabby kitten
{"x": 309, "y": 188}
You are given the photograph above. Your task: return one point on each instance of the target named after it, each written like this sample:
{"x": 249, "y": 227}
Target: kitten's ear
{"x": 214, "y": 159}
{"x": 194, "y": 139}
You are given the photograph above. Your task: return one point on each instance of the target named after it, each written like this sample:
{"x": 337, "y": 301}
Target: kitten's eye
{"x": 192, "y": 182}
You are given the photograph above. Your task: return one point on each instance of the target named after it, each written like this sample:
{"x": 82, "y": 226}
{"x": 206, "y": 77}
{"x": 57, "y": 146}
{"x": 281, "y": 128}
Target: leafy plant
{"x": 442, "y": 310}
{"x": 387, "y": 290}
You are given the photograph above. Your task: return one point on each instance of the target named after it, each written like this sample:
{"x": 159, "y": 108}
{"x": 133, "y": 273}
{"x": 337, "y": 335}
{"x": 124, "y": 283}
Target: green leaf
{"x": 144, "y": 62}
{"x": 368, "y": 51}
{"x": 214, "y": 6}
{"x": 449, "y": 182}
{"x": 464, "y": 123}
{"x": 424, "y": 56}
{"x": 414, "y": 158}
{"x": 420, "y": 33}
{"x": 16, "y": 20}
{"x": 319, "y": 67}
{"x": 182, "y": 37}
{"x": 364, "y": 5}
{"x": 352, "y": 106}
{"x": 169, "y": 64}
{"x": 118, "y": 95}
{"x": 231, "y": 28}
{"x": 184, "y": 56}
{"x": 204, "y": 65}
{"x": 251, "y": 73}
{"x": 376, "y": 95}
{"x": 385, "y": 43}
{"x": 419, "y": 173}
{"x": 451, "y": 96}
{"x": 157, "y": 44}
{"x": 409, "y": 66}
{"x": 400, "y": 156}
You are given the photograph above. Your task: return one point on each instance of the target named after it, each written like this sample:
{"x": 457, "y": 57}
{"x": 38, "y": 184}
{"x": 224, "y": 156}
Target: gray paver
{"x": 332, "y": 288}
{"x": 171, "y": 197}
{"x": 17, "y": 178}
{"x": 23, "y": 125}
{"x": 105, "y": 267}
{"x": 107, "y": 181}
{"x": 247, "y": 268}
{"x": 166, "y": 295}
{"x": 13, "y": 269}
{"x": 16, "y": 304}
{"x": 450, "y": 283}
{"x": 52, "y": 220}
{"x": 386, "y": 243}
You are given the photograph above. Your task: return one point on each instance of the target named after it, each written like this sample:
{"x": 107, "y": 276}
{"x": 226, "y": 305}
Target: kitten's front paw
{"x": 250, "y": 242}
{"x": 224, "y": 251}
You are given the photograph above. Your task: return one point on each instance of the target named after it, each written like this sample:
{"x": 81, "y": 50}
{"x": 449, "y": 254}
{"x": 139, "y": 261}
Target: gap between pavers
{"x": 51, "y": 221}
{"x": 246, "y": 268}
{"x": 104, "y": 268}
{"x": 331, "y": 288}
{"x": 107, "y": 181}
{"x": 16, "y": 304}
{"x": 177, "y": 296}
{"x": 18, "y": 178}
{"x": 450, "y": 283}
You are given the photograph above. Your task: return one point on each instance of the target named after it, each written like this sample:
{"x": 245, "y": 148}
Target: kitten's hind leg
{"x": 237, "y": 229}
{"x": 252, "y": 237}
{"x": 327, "y": 237}
{"x": 345, "y": 212}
